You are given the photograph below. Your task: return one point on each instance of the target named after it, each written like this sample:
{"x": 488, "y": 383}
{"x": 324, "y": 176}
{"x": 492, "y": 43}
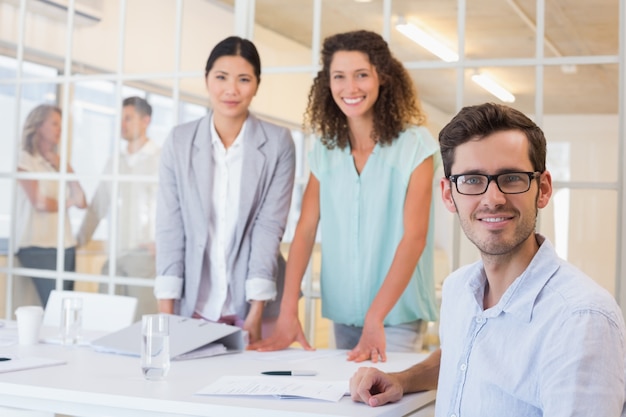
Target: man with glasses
{"x": 523, "y": 333}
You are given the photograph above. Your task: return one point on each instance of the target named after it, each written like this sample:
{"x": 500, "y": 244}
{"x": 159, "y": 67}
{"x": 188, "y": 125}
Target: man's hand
{"x": 374, "y": 387}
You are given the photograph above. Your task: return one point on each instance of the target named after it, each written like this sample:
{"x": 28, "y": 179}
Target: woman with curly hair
{"x": 370, "y": 188}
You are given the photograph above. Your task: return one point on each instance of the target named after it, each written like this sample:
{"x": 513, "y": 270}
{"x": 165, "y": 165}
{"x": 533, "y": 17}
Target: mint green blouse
{"x": 361, "y": 225}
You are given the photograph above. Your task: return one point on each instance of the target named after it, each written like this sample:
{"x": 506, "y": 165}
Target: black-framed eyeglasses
{"x": 508, "y": 182}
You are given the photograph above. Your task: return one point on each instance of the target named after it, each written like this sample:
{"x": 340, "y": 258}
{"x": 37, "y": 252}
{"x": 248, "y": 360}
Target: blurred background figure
{"x": 136, "y": 203}
{"x": 37, "y": 202}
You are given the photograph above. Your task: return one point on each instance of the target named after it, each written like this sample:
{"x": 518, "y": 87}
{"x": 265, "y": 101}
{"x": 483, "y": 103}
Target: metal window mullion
{"x": 460, "y": 94}
{"x": 251, "y": 16}
{"x": 620, "y": 270}
{"x": 387, "y": 20}
{"x": 309, "y": 296}
{"x": 177, "y": 52}
{"x": 289, "y": 69}
{"x": 62, "y": 189}
{"x": 77, "y": 276}
{"x": 18, "y": 94}
{"x": 244, "y": 18}
{"x": 516, "y": 62}
{"x": 108, "y": 77}
{"x": 579, "y": 185}
{"x": 113, "y": 207}
{"x": 539, "y": 56}
{"x": 540, "y": 24}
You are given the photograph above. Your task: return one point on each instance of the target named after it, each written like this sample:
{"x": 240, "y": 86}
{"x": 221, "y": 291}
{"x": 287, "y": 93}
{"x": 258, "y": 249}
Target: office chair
{"x": 101, "y": 312}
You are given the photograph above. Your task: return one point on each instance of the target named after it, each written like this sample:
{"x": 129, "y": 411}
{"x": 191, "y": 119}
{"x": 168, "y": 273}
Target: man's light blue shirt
{"x": 553, "y": 346}
{"x": 361, "y": 218}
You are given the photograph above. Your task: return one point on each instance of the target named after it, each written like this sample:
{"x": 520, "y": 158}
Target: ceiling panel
{"x": 495, "y": 29}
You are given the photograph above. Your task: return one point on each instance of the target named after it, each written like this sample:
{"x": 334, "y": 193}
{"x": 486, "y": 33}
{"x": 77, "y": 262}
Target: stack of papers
{"x": 290, "y": 387}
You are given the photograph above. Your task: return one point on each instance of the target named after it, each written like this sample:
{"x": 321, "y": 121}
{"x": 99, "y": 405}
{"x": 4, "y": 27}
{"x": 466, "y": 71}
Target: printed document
{"x": 280, "y": 387}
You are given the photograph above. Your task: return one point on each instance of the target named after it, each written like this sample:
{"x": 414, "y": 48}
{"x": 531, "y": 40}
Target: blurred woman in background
{"x": 37, "y": 204}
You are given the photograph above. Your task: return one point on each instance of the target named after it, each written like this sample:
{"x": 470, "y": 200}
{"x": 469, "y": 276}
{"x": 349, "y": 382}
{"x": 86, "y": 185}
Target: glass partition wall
{"x": 560, "y": 61}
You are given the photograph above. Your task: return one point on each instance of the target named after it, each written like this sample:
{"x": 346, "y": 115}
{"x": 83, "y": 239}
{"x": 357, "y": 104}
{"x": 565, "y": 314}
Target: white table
{"x": 101, "y": 384}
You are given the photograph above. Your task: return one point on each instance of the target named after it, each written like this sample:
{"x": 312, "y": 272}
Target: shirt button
{"x": 480, "y": 319}
{"x": 463, "y": 367}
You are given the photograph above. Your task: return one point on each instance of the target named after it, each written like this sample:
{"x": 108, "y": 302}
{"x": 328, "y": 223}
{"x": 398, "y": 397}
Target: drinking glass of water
{"x": 155, "y": 346}
{"x": 71, "y": 319}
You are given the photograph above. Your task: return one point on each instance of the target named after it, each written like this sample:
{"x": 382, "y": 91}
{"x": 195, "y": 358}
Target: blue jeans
{"x": 405, "y": 337}
{"x": 46, "y": 258}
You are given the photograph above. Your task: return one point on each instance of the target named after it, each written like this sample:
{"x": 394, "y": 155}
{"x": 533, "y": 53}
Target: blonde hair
{"x": 34, "y": 120}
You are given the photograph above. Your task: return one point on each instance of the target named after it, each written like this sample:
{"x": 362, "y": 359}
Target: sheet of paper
{"x": 17, "y": 363}
{"x": 280, "y": 387}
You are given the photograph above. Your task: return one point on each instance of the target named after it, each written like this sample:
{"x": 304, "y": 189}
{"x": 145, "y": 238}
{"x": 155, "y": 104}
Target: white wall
{"x": 593, "y": 143}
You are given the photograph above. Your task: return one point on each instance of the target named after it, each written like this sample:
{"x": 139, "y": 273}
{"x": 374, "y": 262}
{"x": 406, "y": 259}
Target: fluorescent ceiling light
{"x": 426, "y": 41}
{"x": 493, "y": 87}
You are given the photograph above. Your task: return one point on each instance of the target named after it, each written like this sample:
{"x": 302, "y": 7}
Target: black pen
{"x": 4, "y": 359}
{"x": 290, "y": 373}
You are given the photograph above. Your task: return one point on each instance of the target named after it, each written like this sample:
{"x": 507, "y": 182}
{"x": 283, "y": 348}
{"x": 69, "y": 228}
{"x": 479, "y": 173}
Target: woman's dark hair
{"x": 397, "y": 105}
{"x": 476, "y": 122}
{"x": 235, "y": 46}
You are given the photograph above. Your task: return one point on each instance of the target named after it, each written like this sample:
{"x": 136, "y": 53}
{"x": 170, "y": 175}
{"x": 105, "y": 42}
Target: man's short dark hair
{"x": 477, "y": 122}
{"x": 140, "y": 104}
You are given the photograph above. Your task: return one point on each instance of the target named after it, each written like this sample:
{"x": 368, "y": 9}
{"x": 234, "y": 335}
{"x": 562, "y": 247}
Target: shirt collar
{"x": 148, "y": 148}
{"x": 215, "y": 137}
{"x": 519, "y": 299}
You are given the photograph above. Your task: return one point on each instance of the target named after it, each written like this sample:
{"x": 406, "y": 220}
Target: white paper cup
{"x": 28, "y": 324}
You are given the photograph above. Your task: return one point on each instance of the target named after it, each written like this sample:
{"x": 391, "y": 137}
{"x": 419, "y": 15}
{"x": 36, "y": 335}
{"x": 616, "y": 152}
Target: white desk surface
{"x": 94, "y": 384}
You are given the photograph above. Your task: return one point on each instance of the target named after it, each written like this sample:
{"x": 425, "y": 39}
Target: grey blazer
{"x": 184, "y": 201}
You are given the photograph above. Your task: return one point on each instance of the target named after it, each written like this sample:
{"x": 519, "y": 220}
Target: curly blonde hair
{"x": 397, "y": 105}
